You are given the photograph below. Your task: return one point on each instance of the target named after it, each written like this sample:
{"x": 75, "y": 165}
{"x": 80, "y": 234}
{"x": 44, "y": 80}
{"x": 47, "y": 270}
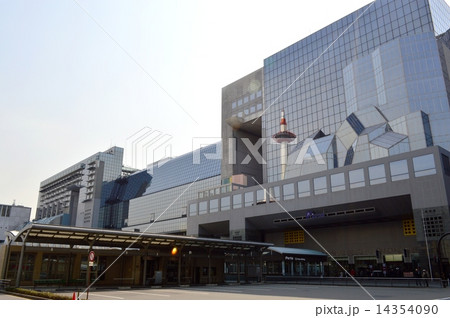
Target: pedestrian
{"x": 417, "y": 277}
{"x": 425, "y": 276}
{"x": 444, "y": 280}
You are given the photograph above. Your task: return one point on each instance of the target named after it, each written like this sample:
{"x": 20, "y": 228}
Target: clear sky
{"x": 71, "y": 86}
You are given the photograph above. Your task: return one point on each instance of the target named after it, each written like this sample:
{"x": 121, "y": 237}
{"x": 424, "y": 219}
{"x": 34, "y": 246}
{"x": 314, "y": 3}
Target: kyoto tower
{"x": 283, "y": 137}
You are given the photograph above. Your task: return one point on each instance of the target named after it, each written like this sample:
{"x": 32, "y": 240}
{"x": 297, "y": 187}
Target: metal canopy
{"x": 55, "y": 234}
{"x": 296, "y": 251}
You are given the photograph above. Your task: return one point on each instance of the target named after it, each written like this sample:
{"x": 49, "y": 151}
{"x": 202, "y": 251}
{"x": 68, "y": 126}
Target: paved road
{"x": 9, "y": 297}
{"x": 268, "y": 292}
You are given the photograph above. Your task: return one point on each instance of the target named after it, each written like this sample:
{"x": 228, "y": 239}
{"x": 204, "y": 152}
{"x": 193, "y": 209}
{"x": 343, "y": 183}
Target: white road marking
{"x": 225, "y": 290}
{"x": 290, "y": 288}
{"x": 147, "y": 294}
{"x": 100, "y": 295}
{"x": 189, "y": 290}
{"x": 257, "y": 288}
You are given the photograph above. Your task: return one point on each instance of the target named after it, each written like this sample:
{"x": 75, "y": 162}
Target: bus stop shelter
{"x": 42, "y": 254}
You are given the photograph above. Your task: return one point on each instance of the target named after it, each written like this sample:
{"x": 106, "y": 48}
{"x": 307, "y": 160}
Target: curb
{"x": 31, "y": 297}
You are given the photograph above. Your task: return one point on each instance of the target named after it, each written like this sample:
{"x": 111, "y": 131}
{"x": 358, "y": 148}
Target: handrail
{"x": 224, "y": 188}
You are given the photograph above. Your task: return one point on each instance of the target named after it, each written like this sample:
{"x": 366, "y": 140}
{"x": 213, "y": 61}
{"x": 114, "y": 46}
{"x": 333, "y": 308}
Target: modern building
{"x": 73, "y": 196}
{"x": 242, "y": 108}
{"x": 368, "y": 178}
{"x": 162, "y": 208}
{"x": 12, "y": 217}
{"x": 116, "y": 196}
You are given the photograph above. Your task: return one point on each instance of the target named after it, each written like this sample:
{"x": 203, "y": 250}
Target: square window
{"x": 377, "y": 174}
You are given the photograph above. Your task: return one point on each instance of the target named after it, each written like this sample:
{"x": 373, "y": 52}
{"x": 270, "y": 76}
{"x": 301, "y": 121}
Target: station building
{"x": 12, "y": 217}
{"x": 73, "y": 196}
{"x": 162, "y": 207}
{"x": 367, "y": 178}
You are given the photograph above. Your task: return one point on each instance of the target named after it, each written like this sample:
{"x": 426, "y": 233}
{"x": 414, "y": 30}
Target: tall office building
{"x": 73, "y": 196}
{"x": 368, "y": 99}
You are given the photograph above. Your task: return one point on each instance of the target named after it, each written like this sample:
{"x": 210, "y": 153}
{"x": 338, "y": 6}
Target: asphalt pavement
{"x": 267, "y": 292}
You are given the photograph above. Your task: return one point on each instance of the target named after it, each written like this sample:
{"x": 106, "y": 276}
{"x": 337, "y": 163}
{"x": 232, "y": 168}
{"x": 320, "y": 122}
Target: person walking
{"x": 417, "y": 277}
{"x": 425, "y": 276}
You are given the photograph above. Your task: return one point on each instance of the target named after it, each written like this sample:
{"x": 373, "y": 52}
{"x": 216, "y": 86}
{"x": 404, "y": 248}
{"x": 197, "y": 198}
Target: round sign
{"x": 91, "y": 256}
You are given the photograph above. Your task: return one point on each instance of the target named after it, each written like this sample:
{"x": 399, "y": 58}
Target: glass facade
{"x": 303, "y": 189}
{"x": 320, "y": 185}
{"x": 76, "y": 190}
{"x": 399, "y": 170}
{"x": 225, "y": 204}
{"x": 237, "y": 201}
{"x": 337, "y": 182}
{"x": 116, "y": 196}
{"x": 198, "y": 165}
{"x": 397, "y": 68}
{"x": 248, "y": 197}
{"x": 328, "y": 184}
{"x": 424, "y": 165}
{"x": 214, "y": 205}
{"x": 357, "y": 179}
{"x": 377, "y": 174}
{"x": 168, "y": 207}
{"x": 288, "y": 191}
{"x": 173, "y": 184}
{"x": 440, "y": 13}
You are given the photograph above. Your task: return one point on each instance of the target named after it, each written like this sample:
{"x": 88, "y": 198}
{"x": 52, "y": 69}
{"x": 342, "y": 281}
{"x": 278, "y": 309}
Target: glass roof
{"x": 202, "y": 164}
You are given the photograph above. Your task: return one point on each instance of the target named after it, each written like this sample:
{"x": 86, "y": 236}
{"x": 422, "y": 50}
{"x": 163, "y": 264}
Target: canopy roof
{"x": 56, "y": 234}
{"x": 295, "y": 251}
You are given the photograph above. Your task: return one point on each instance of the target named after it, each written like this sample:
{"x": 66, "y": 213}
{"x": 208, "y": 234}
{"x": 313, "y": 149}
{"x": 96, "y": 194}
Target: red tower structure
{"x": 283, "y": 137}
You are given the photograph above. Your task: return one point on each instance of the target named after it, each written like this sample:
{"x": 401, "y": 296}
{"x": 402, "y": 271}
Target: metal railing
{"x": 225, "y": 188}
{"x": 4, "y": 283}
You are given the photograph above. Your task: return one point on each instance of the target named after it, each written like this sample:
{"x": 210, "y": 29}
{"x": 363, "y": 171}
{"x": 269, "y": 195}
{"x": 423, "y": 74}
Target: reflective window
{"x": 192, "y": 209}
{"x": 237, "y": 201}
{"x": 233, "y": 105}
{"x": 248, "y": 199}
{"x": 399, "y": 170}
{"x": 202, "y": 207}
{"x": 214, "y": 205}
{"x": 355, "y": 75}
{"x": 225, "y": 204}
{"x": 303, "y": 189}
{"x": 377, "y": 174}
{"x": 424, "y": 165}
{"x": 356, "y": 178}
{"x": 320, "y": 185}
{"x": 337, "y": 182}
{"x": 446, "y": 164}
{"x": 288, "y": 191}
{"x": 274, "y": 193}
{"x": 245, "y": 99}
{"x": 260, "y": 196}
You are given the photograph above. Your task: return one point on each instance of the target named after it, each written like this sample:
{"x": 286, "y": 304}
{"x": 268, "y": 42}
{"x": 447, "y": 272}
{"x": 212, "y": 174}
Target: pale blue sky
{"x": 67, "y": 90}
